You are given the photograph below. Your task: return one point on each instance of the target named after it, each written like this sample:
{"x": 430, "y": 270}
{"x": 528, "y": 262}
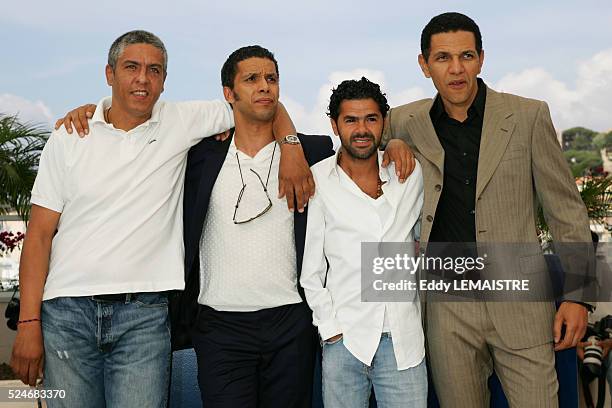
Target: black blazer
{"x": 203, "y": 166}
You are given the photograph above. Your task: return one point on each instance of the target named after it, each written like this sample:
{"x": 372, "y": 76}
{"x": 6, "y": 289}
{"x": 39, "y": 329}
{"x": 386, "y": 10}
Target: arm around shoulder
{"x": 203, "y": 119}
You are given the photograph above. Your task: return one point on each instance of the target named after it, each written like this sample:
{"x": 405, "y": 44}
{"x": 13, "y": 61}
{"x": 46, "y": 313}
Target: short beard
{"x": 361, "y": 154}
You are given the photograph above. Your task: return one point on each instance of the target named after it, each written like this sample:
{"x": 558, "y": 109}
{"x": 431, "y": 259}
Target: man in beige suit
{"x": 486, "y": 158}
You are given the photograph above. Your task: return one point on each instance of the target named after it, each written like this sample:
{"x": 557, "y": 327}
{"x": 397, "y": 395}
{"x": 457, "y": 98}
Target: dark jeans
{"x": 256, "y": 359}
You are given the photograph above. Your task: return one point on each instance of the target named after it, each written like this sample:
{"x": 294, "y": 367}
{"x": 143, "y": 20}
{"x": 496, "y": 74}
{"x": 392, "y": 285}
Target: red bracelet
{"x": 28, "y": 321}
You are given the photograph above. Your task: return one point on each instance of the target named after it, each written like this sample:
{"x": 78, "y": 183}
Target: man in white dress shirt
{"x": 365, "y": 344}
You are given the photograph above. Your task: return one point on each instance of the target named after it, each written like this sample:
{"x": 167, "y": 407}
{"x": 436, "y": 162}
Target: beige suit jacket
{"x": 520, "y": 161}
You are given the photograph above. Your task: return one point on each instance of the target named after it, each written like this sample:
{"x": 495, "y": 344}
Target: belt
{"x": 116, "y": 297}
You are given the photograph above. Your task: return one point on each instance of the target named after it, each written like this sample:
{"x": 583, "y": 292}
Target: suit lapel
{"x": 497, "y": 129}
{"x": 215, "y": 157}
{"x": 425, "y": 138}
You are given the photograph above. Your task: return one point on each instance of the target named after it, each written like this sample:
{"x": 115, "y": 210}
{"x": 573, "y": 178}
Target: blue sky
{"x": 558, "y": 51}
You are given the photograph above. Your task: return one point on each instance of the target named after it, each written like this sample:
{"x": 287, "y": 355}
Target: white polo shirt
{"x": 120, "y": 197}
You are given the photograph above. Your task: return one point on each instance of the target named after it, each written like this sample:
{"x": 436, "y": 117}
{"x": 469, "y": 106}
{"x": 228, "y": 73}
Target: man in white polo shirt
{"x": 104, "y": 241}
{"x": 365, "y": 344}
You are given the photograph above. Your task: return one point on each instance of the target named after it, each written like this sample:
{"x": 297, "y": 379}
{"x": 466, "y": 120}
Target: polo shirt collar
{"x": 105, "y": 103}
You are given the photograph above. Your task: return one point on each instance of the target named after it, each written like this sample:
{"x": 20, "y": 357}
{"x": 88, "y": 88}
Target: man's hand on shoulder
{"x": 77, "y": 119}
{"x": 223, "y": 136}
{"x": 295, "y": 181}
{"x": 574, "y": 317}
{"x": 397, "y": 151}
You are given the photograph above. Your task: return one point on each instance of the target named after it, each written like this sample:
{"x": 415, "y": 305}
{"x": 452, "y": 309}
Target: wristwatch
{"x": 290, "y": 139}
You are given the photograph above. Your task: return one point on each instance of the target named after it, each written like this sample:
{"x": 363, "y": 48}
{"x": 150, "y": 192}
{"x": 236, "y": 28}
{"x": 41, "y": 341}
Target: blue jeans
{"x": 107, "y": 354}
{"x": 347, "y": 382}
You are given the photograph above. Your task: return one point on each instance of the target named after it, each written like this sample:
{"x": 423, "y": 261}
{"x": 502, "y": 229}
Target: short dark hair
{"x": 449, "y": 23}
{"x": 356, "y": 89}
{"x": 135, "y": 37}
{"x": 230, "y": 67}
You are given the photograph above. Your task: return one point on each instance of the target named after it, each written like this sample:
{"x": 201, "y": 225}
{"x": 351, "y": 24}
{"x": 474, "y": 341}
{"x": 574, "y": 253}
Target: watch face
{"x": 292, "y": 139}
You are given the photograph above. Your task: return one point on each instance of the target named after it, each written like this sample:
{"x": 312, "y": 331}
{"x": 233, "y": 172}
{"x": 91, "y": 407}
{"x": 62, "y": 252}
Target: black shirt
{"x": 455, "y": 220}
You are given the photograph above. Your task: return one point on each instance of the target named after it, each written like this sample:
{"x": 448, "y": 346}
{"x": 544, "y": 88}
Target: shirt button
{"x": 429, "y": 218}
{"x": 438, "y": 187}
{"x": 472, "y": 212}
{"x": 467, "y": 182}
{"x": 464, "y": 154}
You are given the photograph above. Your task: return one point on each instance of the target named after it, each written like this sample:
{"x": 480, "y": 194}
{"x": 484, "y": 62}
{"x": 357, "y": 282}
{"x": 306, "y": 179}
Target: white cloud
{"x": 314, "y": 120}
{"x": 407, "y": 96}
{"x": 27, "y": 111}
{"x": 586, "y": 104}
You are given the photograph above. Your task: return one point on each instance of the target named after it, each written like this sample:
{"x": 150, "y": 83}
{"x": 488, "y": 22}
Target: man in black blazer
{"x": 242, "y": 308}
{"x": 251, "y": 329}
{"x": 203, "y": 166}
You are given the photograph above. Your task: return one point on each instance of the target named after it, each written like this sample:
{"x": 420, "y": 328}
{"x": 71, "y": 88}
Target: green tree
{"x": 603, "y": 141}
{"x": 578, "y": 138}
{"x": 20, "y": 148}
{"x": 582, "y": 160}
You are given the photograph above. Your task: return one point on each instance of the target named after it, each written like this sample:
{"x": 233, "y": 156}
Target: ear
{"x": 423, "y": 65}
{"x": 228, "y": 94}
{"x": 110, "y": 75}
{"x": 334, "y": 126}
{"x": 481, "y": 58}
{"x": 164, "y": 81}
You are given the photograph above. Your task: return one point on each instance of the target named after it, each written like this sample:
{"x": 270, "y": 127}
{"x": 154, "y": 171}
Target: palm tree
{"x": 596, "y": 193}
{"x": 20, "y": 148}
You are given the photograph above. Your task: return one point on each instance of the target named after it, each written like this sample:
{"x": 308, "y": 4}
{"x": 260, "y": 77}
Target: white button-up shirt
{"x": 340, "y": 217}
